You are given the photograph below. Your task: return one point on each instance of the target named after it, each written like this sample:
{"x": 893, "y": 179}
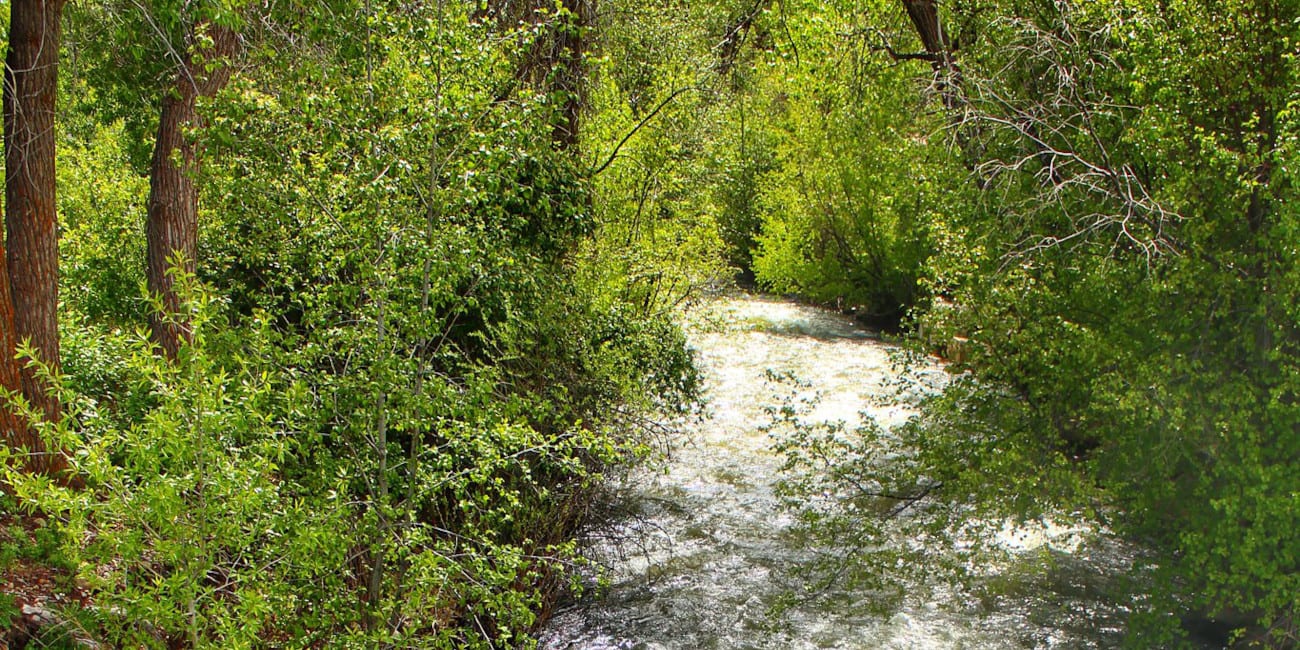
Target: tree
{"x": 16, "y": 432}
{"x": 29, "y": 304}
{"x": 564, "y": 70}
{"x": 1122, "y": 279}
{"x": 172, "y": 227}
{"x": 1128, "y": 292}
{"x": 553, "y": 61}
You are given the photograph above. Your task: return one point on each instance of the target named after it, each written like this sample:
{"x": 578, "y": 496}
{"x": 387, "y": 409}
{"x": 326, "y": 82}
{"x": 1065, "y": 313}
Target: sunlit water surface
{"x": 706, "y": 553}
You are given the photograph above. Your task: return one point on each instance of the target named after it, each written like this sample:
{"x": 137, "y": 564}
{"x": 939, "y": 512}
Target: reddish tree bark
{"x": 15, "y": 431}
{"x": 30, "y": 311}
{"x": 173, "y": 222}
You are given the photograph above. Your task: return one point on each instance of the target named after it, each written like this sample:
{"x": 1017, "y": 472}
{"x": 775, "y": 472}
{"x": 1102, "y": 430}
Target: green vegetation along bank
{"x": 322, "y": 323}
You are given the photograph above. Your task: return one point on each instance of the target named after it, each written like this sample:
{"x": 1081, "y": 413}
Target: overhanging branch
{"x": 645, "y": 120}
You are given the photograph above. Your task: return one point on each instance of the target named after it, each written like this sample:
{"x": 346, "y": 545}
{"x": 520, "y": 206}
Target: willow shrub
{"x": 860, "y": 175}
{"x": 240, "y": 508}
{"x": 1131, "y": 354}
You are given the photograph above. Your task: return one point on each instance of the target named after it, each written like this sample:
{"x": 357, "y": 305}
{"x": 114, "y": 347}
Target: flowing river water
{"x": 706, "y": 551}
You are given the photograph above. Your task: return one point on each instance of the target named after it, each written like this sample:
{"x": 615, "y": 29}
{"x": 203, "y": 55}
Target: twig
{"x": 645, "y": 120}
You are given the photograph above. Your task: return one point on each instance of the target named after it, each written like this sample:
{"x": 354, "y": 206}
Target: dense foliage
{"x": 404, "y": 377}
{"x": 440, "y": 244}
{"x": 1114, "y": 284}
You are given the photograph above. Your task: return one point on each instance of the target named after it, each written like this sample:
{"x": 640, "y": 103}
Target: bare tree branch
{"x": 1062, "y": 130}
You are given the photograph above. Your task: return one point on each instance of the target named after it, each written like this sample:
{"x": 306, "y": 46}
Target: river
{"x": 705, "y": 553}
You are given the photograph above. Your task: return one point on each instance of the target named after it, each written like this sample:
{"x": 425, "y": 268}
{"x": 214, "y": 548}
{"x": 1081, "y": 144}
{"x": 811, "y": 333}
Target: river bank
{"x": 711, "y": 557}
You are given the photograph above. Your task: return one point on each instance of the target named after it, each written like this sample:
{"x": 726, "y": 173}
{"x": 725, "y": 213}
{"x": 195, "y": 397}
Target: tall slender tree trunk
{"x": 173, "y": 224}
{"x": 29, "y": 303}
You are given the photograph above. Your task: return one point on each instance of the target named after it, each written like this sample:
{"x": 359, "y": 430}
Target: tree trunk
{"x": 940, "y": 51}
{"x": 16, "y": 432}
{"x": 172, "y": 226}
{"x": 925, "y": 18}
{"x": 570, "y": 74}
{"x": 938, "y": 47}
{"x": 554, "y": 63}
{"x": 30, "y": 310}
